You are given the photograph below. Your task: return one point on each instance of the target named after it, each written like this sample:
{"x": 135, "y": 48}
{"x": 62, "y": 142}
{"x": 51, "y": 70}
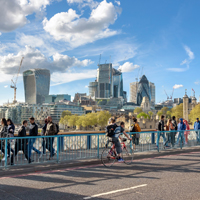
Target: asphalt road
{"x": 169, "y": 177}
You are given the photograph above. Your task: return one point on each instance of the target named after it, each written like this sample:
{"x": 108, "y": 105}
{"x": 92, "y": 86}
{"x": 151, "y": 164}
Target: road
{"x": 169, "y": 177}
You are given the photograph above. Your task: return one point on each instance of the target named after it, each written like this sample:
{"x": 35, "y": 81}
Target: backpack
{"x": 110, "y": 130}
{"x": 132, "y": 128}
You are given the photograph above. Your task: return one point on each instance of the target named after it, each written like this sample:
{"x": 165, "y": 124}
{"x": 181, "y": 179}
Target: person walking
{"x": 21, "y": 144}
{"x": 44, "y": 128}
{"x": 11, "y": 132}
{"x": 181, "y": 128}
{"x": 33, "y": 131}
{"x": 50, "y": 131}
{"x": 3, "y": 134}
{"x": 175, "y": 129}
{"x": 136, "y": 137}
{"x": 187, "y": 132}
{"x": 197, "y": 129}
{"x": 170, "y": 128}
{"x": 161, "y": 127}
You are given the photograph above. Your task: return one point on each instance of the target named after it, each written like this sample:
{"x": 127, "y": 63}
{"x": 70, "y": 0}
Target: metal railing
{"x": 51, "y": 149}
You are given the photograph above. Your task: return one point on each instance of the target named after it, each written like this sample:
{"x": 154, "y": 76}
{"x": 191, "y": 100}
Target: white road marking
{"x": 115, "y": 191}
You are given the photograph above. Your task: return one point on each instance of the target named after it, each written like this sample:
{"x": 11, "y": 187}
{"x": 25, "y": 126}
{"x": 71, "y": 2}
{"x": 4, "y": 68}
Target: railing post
{"x": 89, "y": 142}
{"x": 5, "y": 153}
{"x": 58, "y": 148}
{"x": 98, "y": 147}
{"x": 153, "y": 138}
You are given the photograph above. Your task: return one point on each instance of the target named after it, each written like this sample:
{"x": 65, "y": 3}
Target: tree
{"x": 72, "y": 120}
{"x": 143, "y": 114}
{"x": 159, "y": 113}
{"x": 150, "y": 113}
{"x": 195, "y": 113}
{"x": 164, "y": 110}
{"x": 177, "y": 111}
{"x": 168, "y": 114}
{"x": 103, "y": 117}
{"x": 137, "y": 110}
{"x": 66, "y": 112}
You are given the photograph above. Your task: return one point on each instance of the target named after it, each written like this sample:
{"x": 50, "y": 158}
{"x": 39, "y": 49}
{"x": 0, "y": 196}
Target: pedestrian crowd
{"x": 27, "y": 144}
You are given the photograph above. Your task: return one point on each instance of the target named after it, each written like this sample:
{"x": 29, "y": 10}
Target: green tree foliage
{"x": 177, "y": 111}
{"x": 168, "y": 114}
{"x": 66, "y": 112}
{"x": 159, "y": 113}
{"x": 137, "y": 110}
{"x": 150, "y": 113}
{"x": 195, "y": 113}
{"x": 143, "y": 114}
{"x": 164, "y": 110}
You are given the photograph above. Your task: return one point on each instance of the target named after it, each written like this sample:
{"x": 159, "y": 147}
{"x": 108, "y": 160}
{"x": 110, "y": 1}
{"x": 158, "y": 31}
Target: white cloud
{"x": 33, "y": 58}
{"x": 61, "y": 78}
{"x": 77, "y": 31}
{"x": 197, "y": 82}
{"x": 86, "y": 86}
{"x": 128, "y": 67}
{"x": 176, "y": 86}
{"x": 118, "y": 3}
{"x": 0, "y": 33}
{"x": 5, "y": 86}
{"x": 184, "y": 62}
{"x": 13, "y": 13}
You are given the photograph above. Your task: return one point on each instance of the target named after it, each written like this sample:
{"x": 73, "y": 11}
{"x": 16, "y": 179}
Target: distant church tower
{"x": 186, "y": 106}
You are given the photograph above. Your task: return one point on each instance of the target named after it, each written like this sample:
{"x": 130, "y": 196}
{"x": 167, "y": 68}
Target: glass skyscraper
{"x": 143, "y": 90}
{"x": 36, "y": 85}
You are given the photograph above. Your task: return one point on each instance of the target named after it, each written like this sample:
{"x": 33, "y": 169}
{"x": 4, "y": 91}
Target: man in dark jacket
{"x": 50, "y": 131}
{"x": 161, "y": 127}
{"x": 21, "y": 144}
{"x": 175, "y": 129}
{"x": 33, "y": 131}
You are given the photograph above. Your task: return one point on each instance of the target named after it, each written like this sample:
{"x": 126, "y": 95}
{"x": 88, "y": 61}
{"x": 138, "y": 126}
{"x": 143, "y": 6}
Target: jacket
{"x": 4, "y": 132}
{"x": 33, "y": 129}
{"x": 44, "y": 128}
{"x": 196, "y": 125}
{"x": 174, "y": 124}
{"x": 11, "y": 130}
{"x": 181, "y": 125}
{"x": 169, "y": 127}
{"x": 22, "y": 133}
{"x": 161, "y": 126}
{"x": 51, "y": 129}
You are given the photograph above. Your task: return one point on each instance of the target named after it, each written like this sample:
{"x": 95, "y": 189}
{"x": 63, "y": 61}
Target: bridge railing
{"x": 51, "y": 149}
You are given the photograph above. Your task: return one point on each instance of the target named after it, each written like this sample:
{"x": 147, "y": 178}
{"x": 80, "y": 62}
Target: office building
{"x": 143, "y": 90}
{"x": 133, "y": 92}
{"x": 36, "y": 85}
{"x": 57, "y": 98}
{"x": 153, "y": 93}
{"x": 117, "y": 83}
{"x": 93, "y": 89}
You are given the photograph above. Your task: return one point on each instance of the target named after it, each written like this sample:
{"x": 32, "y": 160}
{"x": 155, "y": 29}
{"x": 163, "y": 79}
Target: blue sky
{"x": 158, "y": 38}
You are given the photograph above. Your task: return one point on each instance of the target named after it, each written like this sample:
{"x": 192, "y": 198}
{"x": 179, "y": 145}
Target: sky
{"x": 157, "y": 38}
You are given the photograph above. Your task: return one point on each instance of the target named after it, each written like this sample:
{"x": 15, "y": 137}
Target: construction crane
{"x": 171, "y": 97}
{"x": 14, "y": 82}
{"x": 166, "y": 94}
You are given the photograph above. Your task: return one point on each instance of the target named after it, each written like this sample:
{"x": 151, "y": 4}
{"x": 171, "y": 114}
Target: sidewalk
{"x": 37, "y": 168}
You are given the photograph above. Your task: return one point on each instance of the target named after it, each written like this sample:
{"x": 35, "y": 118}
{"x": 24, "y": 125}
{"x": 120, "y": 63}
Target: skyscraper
{"x": 117, "y": 83}
{"x": 143, "y": 90}
{"x": 153, "y": 93}
{"x": 36, "y": 85}
{"x": 133, "y": 92}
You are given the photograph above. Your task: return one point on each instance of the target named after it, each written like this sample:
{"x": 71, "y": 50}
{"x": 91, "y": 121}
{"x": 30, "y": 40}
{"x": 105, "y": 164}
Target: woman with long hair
{"x": 187, "y": 132}
{"x": 11, "y": 132}
{"x": 170, "y": 128}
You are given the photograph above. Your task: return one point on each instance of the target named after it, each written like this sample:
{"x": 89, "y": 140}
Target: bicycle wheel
{"x": 127, "y": 154}
{"x": 107, "y": 158}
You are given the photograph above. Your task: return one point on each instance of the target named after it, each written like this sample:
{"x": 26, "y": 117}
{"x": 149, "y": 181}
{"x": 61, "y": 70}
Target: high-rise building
{"x": 93, "y": 88}
{"x": 36, "y": 85}
{"x": 153, "y": 93}
{"x": 133, "y": 92}
{"x": 57, "y": 98}
{"x": 143, "y": 90}
{"x": 117, "y": 84}
{"x": 104, "y": 79}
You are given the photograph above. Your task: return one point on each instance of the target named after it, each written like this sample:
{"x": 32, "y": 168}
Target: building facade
{"x": 133, "y": 92}
{"x": 57, "y": 97}
{"x": 153, "y": 93}
{"x": 36, "y": 85}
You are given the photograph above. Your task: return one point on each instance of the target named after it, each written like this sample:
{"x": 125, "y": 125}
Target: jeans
{"x": 118, "y": 146}
{"x": 49, "y": 146}
{"x": 31, "y": 147}
{"x": 158, "y": 138}
{"x": 181, "y": 134}
{"x": 198, "y": 139}
{"x": 10, "y": 149}
{"x": 170, "y": 138}
{"x": 44, "y": 145}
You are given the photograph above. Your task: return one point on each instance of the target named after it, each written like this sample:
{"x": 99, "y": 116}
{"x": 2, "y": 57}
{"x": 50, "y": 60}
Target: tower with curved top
{"x": 143, "y": 90}
{"x": 36, "y": 85}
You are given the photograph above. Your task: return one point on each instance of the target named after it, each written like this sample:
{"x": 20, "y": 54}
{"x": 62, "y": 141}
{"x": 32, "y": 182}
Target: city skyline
{"x": 162, "y": 43}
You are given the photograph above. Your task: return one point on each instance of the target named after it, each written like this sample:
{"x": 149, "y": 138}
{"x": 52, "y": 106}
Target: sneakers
{"x": 120, "y": 160}
{"x": 3, "y": 159}
{"x": 167, "y": 146}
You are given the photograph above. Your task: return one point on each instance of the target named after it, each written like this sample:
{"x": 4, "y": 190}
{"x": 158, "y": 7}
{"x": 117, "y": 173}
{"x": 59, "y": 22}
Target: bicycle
{"x": 109, "y": 155}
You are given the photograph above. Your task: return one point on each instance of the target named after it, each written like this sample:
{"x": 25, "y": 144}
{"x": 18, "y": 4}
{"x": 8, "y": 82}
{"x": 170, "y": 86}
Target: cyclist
{"x": 115, "y": 139}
